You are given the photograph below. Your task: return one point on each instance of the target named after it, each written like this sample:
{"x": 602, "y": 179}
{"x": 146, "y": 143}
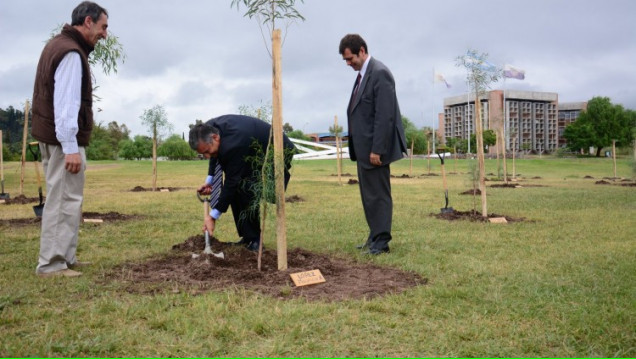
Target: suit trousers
{"x": 62, "y": 210}
{"x": 375, "y": 190}
{"x": 247, "y": 221}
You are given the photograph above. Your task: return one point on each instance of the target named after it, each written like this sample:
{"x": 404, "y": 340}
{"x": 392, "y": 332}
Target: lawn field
{"x": 560, "y": 283}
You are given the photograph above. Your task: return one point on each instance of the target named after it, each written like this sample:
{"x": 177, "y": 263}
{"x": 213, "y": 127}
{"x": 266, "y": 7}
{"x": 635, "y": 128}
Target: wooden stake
{"x": 154, "y": 158}
{"x": 428, "y": 150}
{"x": 614, "y": 156}
{"x": 480, "y": 157}
{"x": 503, "y": 151}
{"x": 514, "y": 152}
{"x": 1, "y": 160}
{"x": 411, "y": 167}
{"x": 279, "y": 163}
{"x": 338, "y": 153}
{"x": 24, "y": 143}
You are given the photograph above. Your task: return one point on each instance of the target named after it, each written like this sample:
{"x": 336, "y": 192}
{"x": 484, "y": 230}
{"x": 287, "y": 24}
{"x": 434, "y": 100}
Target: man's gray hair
{"x": 201, "y": 133}
{"x": 84, "y": 9}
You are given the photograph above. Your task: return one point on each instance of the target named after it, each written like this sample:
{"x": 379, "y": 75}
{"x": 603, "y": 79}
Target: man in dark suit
{"x": 376, "y": 138}
{"x": 238, "y": 144}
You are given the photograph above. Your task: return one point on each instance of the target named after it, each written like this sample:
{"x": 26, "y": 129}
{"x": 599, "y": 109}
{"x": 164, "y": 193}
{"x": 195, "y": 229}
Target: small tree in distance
{"x": 480, "y": 74}
{"x": 156, "y": 120}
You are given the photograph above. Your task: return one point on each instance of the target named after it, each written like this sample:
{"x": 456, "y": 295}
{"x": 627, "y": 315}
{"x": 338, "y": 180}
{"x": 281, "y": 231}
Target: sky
{"x": 200, "y": 59}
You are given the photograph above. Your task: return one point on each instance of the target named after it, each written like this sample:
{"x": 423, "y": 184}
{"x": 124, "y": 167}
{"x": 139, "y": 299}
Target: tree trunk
{"x": 154, "y": 158}
{"x": 279, "y": 162}
{"x": 24, "y": 143}
{"x": 503, "y": 152}
{"x": 480, "y": 156}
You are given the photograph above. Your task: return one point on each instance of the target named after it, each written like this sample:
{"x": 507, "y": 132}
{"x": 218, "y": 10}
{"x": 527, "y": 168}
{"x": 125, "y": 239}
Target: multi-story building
{"x": 568, "y": 113}
{"x": 529, "y": 120}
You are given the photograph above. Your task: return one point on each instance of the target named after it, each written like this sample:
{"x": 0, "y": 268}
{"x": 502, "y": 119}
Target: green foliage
{"x": 268, "y": 11}
{"x": 107, "y": 53}
{"x": 140, "y": 147}
{"x": 601, "y": 123}
{"x": 299, "y": 135}
{"x": 176, "y": 148}
{"x": 156, "y": 121}
{"x": 479, "y": 72}
{"x": 104, "y": 143}
{"x": 335, "y": 130}
{"x": 263, "y": 111}
{"x": 287, "y": 128}
{"x": 413, "y": 134}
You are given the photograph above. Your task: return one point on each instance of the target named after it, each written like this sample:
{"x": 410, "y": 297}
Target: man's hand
{"x": 208, "y": 224}
{"x": 73, "y": 162}
{"x": 374, "y": 158}
{"x": 205, "y": 189}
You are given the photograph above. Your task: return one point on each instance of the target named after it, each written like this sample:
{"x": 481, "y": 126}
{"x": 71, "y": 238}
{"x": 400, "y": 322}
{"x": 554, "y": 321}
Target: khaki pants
{"x": 62, "y": 210}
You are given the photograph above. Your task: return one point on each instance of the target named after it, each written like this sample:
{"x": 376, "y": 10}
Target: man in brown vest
{"x": 62, "y": 123}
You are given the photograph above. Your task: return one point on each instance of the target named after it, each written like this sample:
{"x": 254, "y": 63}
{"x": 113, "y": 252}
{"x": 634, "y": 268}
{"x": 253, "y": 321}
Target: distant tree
{"x": 100, "y": 147}
{"x": 490, "y": 138}
{"x": 335, "y": 130}
{"x": 412, "y": 133}
{"x": 156, "y": 120}
{"x": 139, "y": 148}
{"x": 287, "y": 128}
{"x": 601, "y": 123}
{"x": 299, "y": 135}
{"x": 176, "y": 148}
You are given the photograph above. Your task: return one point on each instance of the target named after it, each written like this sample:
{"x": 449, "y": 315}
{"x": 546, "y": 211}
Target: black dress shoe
{"x": 253, "y": 246}
{"x": 376, "y": 251}
{"x": 243, "y": 242}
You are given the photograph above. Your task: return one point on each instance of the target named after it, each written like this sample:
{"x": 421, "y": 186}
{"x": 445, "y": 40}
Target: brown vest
{"x": 43, "y": 126}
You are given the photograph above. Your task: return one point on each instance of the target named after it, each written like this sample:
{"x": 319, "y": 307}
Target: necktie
{"x": 355, "y": 90}
{"x": 217, "y": 182}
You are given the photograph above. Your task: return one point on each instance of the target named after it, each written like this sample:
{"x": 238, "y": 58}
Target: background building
{"x": 530, "y": 120}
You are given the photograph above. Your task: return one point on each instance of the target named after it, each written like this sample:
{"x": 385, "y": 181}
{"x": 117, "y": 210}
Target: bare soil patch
{"x": 294, "y": 199}
{"x": 180, "y": 271}
{"x": 106, "y": 217}
{"x": 22, "y": 199}
{"x": 473, "y": 216}
{"x": 352, "y": 181}
{"x": 473, "y": 192}
{"x": 159, "y": 189}
{"x": 402, "y": 176}
{"x": 342, "y": 174}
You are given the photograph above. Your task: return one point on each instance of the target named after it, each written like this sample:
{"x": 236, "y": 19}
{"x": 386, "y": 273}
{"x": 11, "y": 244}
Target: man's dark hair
{"x": 87, "y": 8}
{"x": 353, "y": 42}
{"x": 201, "y": 133}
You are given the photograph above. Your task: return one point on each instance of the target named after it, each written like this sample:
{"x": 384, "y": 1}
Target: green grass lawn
{"x": 561, "y": 283}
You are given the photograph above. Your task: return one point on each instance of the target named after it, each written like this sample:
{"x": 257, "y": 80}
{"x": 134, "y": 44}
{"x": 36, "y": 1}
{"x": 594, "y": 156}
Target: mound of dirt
{"x": 22, "y": 199}
{"x": 294, "y": 198}
{"x": 106, "y": 217}
{"x": 505, "y": 185}
{"x": 402, "y": 176}
{"x": 181, "y": 271}
{"x": 159, "y": 189}
{"x": 352, "y": 181}
{"x": 110, "y": 216}
{"x": 472, "y": 216}
{"x": 475, "y": 192}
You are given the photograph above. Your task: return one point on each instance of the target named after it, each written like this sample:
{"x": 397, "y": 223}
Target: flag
{"x": 440, "y": 78}
{"x": 483, "y": 64}
{"x": 514, "y": 73}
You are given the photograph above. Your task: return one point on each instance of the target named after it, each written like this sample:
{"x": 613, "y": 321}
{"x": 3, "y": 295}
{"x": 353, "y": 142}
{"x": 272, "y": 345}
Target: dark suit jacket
{"x": 242, "y": 138}
{"x": 375, "y": 122}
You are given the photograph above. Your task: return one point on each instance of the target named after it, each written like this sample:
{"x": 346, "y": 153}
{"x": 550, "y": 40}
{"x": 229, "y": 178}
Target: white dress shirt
{"x": 67, "y": 98}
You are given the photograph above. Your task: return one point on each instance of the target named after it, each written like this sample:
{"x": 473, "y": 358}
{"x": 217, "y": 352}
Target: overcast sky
{"x": 202, "y": 58}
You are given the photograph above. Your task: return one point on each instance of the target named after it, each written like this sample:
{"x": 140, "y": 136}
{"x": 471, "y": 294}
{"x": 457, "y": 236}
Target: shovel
{"x": 446, "y": 209}
{"x": 2, "y": 195}
{"x": 38, "y": 209}
{"x": 206, "y": 211}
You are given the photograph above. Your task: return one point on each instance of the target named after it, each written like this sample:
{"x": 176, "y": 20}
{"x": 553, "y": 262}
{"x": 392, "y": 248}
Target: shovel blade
{"x": 38, "y": 209}
{"x": 447, "y": 210}
{"x": 208, "y": 250}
